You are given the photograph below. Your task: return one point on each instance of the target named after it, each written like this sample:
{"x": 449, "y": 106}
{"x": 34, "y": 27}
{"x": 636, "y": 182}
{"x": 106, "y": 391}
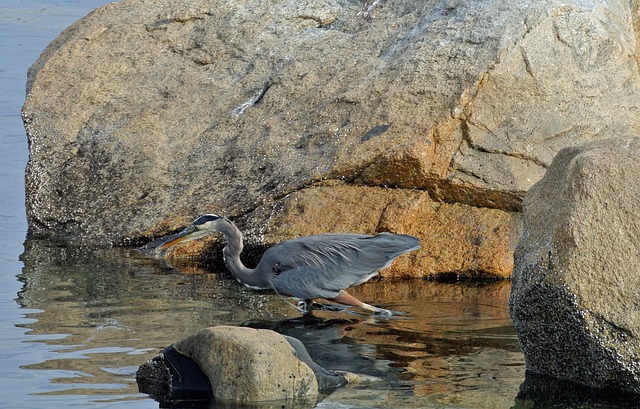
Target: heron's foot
{"x": 383, "y": 312}
{"x": 347, "y": 299}
{"x": 376, "y": 310}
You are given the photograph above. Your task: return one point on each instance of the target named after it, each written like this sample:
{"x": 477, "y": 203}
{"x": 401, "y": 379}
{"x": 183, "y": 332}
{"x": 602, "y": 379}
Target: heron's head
{"x": 202, "y": 226}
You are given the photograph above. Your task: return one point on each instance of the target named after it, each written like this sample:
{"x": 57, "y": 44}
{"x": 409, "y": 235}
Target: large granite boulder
{"x": 576, "y": 289}
{"x": 147, "y": 113}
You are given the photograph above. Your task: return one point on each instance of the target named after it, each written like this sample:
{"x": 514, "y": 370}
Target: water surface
{"x": 101, "y": 314}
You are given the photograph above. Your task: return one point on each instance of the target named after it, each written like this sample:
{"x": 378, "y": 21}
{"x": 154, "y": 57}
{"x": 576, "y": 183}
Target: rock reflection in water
{"x": 455, "y": 345}
{"x": 101, "y": 314}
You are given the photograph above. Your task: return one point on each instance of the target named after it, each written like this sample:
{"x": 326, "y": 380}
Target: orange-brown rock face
{"x": 456, "y": 239}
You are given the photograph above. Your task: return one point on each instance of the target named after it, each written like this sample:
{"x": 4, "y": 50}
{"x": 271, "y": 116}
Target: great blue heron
{"x": 309, "y": 267}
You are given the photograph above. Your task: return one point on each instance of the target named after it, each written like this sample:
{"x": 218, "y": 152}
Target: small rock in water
{"x": 237, "y": 364}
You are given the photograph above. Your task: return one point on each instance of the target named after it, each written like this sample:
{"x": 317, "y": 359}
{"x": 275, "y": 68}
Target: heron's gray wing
{"x": 320, "y": 266}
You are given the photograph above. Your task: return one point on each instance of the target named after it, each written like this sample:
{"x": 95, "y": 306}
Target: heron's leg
{"x": 348, "y": 299}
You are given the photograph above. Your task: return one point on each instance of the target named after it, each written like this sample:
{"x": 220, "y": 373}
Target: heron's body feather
{"x": 320, "y": 266}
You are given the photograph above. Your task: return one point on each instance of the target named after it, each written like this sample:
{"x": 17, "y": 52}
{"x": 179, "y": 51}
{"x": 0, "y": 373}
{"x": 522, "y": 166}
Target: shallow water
{"x": 98, "y": 315}
{"x": 75, "y": 325}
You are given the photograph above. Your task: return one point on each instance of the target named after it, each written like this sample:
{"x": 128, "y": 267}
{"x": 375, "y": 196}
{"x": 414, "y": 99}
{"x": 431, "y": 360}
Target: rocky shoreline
{"x": 503, "y": 135}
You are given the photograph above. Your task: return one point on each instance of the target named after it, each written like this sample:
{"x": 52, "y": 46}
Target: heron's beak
{"x": 171, "y": 242}
{"x": 187, "y": 234}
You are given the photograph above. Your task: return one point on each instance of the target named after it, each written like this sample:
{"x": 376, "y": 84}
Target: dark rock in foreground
{"x": 171, "y": 377}
{"x": 576, "y": 289}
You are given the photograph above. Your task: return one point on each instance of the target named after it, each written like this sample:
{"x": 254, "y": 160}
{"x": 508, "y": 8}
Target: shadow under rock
{"x": 539, "y": 391}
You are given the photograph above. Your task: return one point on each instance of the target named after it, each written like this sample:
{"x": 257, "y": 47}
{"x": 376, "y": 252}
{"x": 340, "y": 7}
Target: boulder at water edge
{"x": 249, "y": 365}
{"x": 576, "y": 285}
{"x": 430, "y": 118}
{"x": 238, "y": 364}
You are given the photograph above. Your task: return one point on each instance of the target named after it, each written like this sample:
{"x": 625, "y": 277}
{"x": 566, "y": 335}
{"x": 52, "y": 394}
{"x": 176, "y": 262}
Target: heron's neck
{"x": 231, "y": 254}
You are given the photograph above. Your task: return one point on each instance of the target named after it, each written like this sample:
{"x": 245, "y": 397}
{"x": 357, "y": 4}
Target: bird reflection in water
{"x": 330, "y": 345}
